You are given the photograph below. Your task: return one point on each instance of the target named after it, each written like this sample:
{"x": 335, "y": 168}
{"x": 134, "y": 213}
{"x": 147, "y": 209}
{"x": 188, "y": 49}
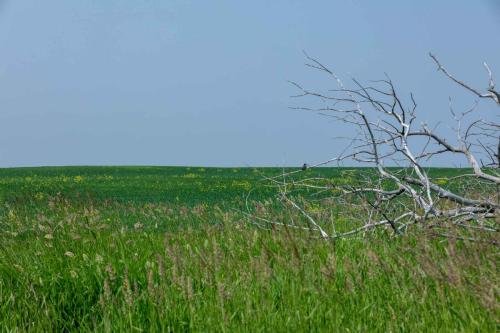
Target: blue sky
{"x": 205, "y": 82}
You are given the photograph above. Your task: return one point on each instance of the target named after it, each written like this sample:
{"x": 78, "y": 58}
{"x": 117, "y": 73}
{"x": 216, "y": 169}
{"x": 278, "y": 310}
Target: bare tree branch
{"x": 495, "y": 95}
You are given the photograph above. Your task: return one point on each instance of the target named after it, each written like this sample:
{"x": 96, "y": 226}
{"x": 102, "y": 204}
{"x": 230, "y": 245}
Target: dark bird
{"x": 304, "y": 167}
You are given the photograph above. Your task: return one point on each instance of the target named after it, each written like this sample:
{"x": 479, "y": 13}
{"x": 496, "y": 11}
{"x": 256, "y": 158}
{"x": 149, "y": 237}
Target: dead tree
{"x": 400, "y": 190}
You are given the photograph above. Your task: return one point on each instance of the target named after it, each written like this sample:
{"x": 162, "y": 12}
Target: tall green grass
{"x": 83, "y": 262}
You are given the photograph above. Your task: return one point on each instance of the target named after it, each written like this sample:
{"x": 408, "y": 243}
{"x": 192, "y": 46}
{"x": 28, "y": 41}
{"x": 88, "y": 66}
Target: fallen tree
{"x": 399, "y": 189}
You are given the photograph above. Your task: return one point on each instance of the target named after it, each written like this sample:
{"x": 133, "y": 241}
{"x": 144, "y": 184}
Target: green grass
{"x": 163, "y": 249}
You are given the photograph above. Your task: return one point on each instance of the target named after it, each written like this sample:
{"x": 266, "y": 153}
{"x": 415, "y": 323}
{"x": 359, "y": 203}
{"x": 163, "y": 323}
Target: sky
{"x": 205, "y": 83}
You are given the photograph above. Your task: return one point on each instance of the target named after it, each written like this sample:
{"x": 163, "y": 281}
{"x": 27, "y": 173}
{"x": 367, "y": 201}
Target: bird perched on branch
{"x": 305, "y": 167}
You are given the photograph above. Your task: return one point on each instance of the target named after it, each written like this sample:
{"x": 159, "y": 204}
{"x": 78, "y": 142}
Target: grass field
{"x": 166, "y": 249}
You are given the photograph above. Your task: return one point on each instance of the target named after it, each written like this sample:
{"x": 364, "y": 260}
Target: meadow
{"x": 169, "y": 249}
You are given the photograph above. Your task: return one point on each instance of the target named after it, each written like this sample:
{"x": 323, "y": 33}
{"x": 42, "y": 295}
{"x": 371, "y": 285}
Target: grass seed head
{"x": 127, "y": 290}
{"x": 69, "y": 254}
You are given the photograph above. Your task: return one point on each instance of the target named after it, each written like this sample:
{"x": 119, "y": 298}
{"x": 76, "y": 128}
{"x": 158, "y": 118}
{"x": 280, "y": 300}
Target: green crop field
{"x": 171, "y": 249}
